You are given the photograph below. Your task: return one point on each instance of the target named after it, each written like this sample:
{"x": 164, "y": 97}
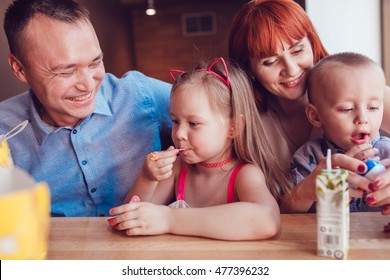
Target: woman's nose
{"x": 291, "y": 67}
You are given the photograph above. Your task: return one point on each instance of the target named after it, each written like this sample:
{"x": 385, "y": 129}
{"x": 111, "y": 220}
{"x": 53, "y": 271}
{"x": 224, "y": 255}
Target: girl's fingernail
{"x": 373, "y": 187}
{"x": 361, "y": 168}
{"x": 370, "y": 199}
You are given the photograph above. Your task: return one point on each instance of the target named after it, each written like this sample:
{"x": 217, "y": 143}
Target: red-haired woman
{"x": 275, "y": 42}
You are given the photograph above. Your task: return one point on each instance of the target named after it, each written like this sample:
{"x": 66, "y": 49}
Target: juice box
{"x": 5, "y": 153}
{"x": 332, "y": 213}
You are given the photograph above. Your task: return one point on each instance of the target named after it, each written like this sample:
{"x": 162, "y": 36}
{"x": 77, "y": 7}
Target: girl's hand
{"x": 158, "y": 165}
{"x": 141, "y": 218}
{"x": 380, "y": 189}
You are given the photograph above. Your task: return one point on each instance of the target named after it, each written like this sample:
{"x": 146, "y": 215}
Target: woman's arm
{"x": 380, "y": 187}
{"x": 303, "y": 195}
{"x": 255, "y": 216}
{"x": 386, "y": 111}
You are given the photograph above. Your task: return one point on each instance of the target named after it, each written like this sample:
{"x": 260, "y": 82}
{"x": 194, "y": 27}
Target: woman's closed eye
{"x": 269, "y": 61}
{"x": 297, "y": 50}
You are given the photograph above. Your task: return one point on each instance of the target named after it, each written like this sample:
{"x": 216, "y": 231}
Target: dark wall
{"x": 130, "y": 39}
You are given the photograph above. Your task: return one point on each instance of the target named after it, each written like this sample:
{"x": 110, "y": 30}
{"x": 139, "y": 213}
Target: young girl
{"x": 224, "y": 166}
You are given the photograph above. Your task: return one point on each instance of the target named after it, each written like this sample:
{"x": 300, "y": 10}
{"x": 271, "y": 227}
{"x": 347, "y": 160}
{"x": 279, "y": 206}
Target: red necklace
{"x": 216, "y": 164}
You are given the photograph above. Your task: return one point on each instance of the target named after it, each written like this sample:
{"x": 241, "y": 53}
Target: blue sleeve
{"x": 161, "y": 92}
{"x": 383, "y": 145}
{"x": 305, "y": 160}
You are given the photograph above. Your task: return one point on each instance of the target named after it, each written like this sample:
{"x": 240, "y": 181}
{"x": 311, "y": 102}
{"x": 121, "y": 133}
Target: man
{"x": 88, "y": 131}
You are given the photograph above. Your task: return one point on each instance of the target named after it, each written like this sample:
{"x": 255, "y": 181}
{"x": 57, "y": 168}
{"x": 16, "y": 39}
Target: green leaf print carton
{"x": 332, "y": 212}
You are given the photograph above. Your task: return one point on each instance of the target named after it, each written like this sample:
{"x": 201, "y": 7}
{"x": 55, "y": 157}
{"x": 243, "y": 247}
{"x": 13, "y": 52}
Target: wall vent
{"x": 196, "y": 24}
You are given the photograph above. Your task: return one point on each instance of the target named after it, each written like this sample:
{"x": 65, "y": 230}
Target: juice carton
{"x": 332, "y": 212}
{"x": 24, "y": 215}
{"x": 5, "y": 153}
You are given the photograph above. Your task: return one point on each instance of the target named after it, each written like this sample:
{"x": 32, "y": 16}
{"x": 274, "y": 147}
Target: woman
{"x": 276, "y": 44}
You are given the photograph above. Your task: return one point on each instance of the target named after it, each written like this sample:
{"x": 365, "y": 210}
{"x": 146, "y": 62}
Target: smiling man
{"x": 88, "y": 130}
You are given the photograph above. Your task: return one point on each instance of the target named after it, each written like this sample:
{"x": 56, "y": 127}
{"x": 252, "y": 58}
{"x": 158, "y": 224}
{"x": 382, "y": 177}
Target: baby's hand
{"x": 363, "y": 152}
{"x": 158, "y": 165}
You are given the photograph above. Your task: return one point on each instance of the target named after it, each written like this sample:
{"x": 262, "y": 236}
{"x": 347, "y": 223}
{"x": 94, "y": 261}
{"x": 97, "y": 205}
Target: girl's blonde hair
{"x": 230, "y": 95}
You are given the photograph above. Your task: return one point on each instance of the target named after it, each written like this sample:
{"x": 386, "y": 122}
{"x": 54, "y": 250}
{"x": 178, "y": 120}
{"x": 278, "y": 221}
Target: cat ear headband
{"x": 176, "y": 73}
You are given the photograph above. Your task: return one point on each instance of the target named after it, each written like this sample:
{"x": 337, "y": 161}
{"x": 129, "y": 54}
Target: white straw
{"x": 16, "y": 129}
{"x": 328, "y": 160}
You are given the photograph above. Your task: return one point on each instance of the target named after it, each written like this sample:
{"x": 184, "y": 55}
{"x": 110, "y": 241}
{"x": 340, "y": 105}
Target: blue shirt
{"x": 91, "y": 167}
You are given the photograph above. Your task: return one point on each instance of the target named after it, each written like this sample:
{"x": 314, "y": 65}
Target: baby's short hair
{"x": 319, "y": 73}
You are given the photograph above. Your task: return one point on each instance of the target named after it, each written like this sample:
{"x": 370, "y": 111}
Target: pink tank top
{"x": 230, "y": 192}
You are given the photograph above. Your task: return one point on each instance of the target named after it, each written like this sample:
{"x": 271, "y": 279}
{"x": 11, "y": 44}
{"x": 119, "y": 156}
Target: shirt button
{"x": 84, "y": 162}
{"x": 74, "y": 131}
{"x": 93, "y": 190}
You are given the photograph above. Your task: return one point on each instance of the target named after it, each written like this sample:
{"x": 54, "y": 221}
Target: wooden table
{"x": 93, "y": 239}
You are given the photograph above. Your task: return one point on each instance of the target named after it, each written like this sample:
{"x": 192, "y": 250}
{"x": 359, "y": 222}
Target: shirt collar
{"x": 42, "y": 130}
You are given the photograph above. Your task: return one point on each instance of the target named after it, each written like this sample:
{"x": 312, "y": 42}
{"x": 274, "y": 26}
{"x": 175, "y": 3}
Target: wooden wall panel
{"x": 160, "y": 45}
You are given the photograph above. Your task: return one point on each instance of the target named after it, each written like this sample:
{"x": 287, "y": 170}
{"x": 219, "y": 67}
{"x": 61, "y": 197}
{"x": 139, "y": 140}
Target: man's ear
{"x": 313, "y": 115}
{"x": 17, "y": 68}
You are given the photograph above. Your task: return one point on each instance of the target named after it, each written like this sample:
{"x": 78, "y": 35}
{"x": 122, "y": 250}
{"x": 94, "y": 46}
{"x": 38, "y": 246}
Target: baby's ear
{"x": 313, "y": 115}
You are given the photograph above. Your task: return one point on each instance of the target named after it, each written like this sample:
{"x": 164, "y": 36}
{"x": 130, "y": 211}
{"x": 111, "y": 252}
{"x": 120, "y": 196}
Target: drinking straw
{"x": 328, "y": 161}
